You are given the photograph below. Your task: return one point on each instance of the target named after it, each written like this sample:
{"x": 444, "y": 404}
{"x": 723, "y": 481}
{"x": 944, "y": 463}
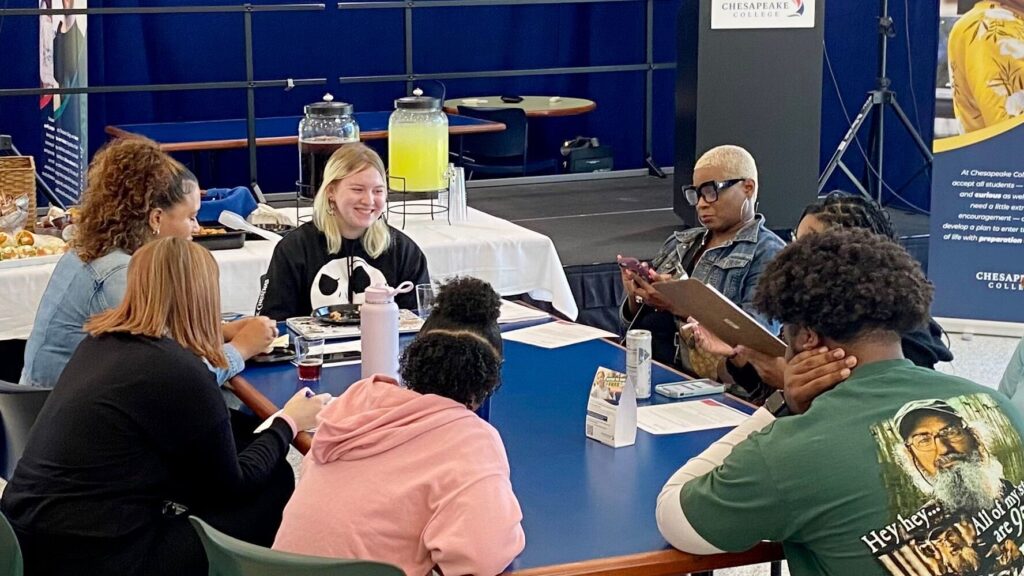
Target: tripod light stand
{"x": 877, "y": 102}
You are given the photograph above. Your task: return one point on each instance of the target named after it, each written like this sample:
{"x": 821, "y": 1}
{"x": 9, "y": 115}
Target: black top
{"x": 303, "y": 276}
{"x": 133, "y": 422}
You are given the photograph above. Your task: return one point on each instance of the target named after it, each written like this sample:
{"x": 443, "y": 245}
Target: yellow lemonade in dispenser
{"x": 419, "y": 154}
{"x": 417, "y": 145}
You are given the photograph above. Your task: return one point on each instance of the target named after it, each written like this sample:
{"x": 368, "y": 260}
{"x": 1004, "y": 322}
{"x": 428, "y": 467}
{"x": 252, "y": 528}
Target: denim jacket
{"x": 76, "y": 291}
{"x": 732, "y": 268}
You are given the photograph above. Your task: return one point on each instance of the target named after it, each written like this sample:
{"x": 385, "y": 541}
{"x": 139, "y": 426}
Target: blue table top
{"x": 581, "y": 500}
{"x": 280, "y": 130}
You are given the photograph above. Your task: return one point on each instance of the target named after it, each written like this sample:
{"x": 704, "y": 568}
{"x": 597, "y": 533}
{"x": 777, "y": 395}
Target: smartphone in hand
{"x": 642, "y": 269}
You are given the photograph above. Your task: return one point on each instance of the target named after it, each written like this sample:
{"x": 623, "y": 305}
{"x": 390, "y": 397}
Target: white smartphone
{"x": 689, "y": 388}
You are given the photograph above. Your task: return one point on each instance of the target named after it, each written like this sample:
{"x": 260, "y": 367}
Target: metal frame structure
{"x": 250, "y": 84}
{"x": 410, "y": 76}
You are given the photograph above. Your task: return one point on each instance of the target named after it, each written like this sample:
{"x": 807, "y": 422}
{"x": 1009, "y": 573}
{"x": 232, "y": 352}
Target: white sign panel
{"x": 733, "y": 14}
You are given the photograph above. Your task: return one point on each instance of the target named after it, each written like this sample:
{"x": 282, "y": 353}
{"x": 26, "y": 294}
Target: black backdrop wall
{"x": 332, "y": 43}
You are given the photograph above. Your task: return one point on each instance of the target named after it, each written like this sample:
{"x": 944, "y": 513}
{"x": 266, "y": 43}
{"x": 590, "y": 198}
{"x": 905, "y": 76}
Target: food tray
{"x": 33, "y": 261}
{"x": 282, "y": 229}
{"x": 229, "y": 240}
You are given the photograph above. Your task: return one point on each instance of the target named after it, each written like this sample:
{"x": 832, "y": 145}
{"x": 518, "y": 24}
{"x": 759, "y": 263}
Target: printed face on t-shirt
{"x": 954, "y": 473}
{"x": 941, "y": 442}
{"x": 341, "y": 277}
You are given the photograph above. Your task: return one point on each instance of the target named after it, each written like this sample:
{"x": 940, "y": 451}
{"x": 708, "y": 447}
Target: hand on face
{"x": 358, "y": 200}
{"x": 813, "y": 372}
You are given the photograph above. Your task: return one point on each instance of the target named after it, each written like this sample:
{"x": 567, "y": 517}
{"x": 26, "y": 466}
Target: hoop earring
{"x": 330, "y": 207}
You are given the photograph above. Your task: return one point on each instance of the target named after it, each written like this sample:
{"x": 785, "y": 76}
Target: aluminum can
{"x": 638, "y": 362}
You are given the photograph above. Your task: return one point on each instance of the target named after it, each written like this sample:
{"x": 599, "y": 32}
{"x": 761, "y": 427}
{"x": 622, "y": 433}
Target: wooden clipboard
{"x": 719, "y": 315}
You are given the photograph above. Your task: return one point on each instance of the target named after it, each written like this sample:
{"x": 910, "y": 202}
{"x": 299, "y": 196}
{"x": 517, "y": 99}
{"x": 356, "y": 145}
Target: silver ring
{"x": 638, "y": 299}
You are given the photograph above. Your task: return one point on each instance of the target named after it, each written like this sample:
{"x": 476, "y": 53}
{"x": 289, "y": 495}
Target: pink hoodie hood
{"x": 376, "y": 415}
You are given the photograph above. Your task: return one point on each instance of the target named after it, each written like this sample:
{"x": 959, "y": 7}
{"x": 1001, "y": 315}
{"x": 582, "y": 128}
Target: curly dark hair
{"x": 457, "y": 353}
{"x": 128, "y": 178}
{"x": 467, "y": 303}
{"x": 457, "y": 364}
{"x": 844, "y": 284}
{"x": 844, "y": 210}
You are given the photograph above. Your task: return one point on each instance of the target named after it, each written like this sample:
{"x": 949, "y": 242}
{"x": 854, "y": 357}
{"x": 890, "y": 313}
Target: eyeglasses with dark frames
{"x": 708, "y": 190}
{"x": 925, "y": 441}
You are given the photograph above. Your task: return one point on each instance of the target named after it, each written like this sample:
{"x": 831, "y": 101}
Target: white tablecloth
{"x": 513, "y": 259}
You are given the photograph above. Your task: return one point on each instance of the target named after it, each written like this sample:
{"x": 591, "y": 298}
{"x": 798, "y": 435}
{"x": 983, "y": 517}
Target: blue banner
{"x": 63, "y": 63}
{"x": 976, "y": 258}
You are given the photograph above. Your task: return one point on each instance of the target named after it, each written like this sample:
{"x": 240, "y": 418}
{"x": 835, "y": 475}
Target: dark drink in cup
{"x": 309, "y": 369}
{"x": 309, "y": 373}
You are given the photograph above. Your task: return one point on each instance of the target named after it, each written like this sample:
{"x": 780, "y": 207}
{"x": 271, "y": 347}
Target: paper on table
{"x": 512, "y": 312}
{"x": 691, "y": 416}
{"x": 556, "y": 334}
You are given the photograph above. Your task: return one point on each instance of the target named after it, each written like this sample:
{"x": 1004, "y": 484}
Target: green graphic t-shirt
{"x": 899, "y": 470}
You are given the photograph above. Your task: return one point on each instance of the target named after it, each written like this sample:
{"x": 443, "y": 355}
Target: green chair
{"x": 10, "y": 553}
{"x": 232, "y": 557}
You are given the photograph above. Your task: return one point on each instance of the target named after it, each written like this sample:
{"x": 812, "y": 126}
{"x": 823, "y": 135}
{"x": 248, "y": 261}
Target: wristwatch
{"x": 776, "y": 404}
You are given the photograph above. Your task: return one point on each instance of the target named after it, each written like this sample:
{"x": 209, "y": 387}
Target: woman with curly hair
{"x": 426, "y": 481}
{"x": 134, "y": 193}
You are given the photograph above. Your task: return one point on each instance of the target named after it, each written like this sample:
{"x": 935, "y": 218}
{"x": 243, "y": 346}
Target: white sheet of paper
{"x": 556, "y": 334}
{"x": 679, "y": 417}
{"x": 512, "y": 312}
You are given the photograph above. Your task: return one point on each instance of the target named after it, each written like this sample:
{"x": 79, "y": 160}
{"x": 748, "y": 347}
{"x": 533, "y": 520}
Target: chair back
{"x": 19, "y": 407}
{"x": 11, "y": 563}
{"x": 510, "y": 142}
{"x": 230, "y": 556}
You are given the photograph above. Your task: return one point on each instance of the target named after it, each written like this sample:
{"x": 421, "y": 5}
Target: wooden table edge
{"x": 262, "y": 407}
{"x": 660, "y": 563}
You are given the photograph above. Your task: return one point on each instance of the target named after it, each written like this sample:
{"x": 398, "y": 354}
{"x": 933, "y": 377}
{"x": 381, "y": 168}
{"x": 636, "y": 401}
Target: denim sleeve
{"x": 110, "y": 292}
{"x": 764, "y": 254}
{"x": 235, "y": 365}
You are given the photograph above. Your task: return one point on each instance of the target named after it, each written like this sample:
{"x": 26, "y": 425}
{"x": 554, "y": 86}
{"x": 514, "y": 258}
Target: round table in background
{"x": 534, "y": 106}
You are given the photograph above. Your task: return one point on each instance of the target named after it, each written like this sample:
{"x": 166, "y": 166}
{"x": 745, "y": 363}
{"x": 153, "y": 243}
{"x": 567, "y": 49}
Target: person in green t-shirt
{"x": 895, "y": 470}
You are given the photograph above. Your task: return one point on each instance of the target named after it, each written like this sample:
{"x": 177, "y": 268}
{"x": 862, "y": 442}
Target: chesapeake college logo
{"x": 760, "y": 9}
{"x": 1013, "y": 282}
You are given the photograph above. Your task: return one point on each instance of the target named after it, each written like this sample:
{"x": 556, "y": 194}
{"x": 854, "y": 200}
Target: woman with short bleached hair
{"x": 136, "y": 434}
{"x": 347, "y": 247}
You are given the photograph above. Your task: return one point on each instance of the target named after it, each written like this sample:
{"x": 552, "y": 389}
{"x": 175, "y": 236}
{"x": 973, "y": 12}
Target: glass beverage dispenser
{"x": 418, "y": 145}
{"x": 326, "y": 126}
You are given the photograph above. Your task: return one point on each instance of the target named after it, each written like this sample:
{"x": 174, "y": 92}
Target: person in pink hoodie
{"x": 412, "y": 476}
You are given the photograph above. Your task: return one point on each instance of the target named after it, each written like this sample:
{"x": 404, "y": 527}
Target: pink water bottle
{"x": 378, "y": 326}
